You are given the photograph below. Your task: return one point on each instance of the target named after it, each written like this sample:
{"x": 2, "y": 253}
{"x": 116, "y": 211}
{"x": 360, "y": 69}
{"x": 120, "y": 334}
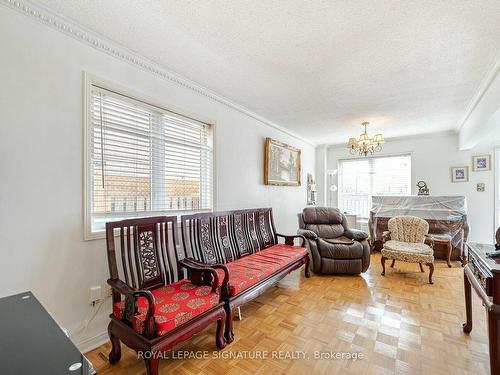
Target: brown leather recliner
{"x": 333, "y": 246}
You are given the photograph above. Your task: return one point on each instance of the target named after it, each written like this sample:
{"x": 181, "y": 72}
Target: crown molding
{"x": 484, "y": 85}
{"x": 70, "y": 28}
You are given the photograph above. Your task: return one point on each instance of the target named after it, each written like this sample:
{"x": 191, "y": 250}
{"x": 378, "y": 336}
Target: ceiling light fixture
{"x": 365, "y": 145}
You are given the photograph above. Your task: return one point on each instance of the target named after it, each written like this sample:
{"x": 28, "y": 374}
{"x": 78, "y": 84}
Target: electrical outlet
{"x": 95, "y": 294}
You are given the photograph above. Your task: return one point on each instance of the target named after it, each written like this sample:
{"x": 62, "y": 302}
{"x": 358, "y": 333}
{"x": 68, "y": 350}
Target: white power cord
{"x": 83, "y": 328}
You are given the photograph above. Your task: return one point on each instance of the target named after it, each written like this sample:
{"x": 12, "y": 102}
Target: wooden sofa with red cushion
{"x": 154, "y": 306}
{"x": 242, "y": 246}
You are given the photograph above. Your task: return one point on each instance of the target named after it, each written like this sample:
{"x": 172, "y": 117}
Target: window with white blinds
{"x": 144, "y": 160}
{"x": 359, "y": 179}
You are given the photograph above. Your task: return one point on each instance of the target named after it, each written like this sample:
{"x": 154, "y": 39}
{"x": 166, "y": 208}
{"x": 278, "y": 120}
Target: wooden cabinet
{"x": 483, "y": 275}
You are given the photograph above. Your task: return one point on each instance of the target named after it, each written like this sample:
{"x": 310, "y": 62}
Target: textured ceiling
{"x": 318, "y": 68}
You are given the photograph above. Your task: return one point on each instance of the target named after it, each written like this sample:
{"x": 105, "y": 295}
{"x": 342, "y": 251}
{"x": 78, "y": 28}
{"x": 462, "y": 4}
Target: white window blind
{"x": 145, "y": 160}
{"x": 359, "y": 179}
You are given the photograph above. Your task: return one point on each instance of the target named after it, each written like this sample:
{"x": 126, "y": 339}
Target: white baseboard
{"x": 91, "y": 343}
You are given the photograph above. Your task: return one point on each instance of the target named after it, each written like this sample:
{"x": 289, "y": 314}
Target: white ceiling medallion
{"x": 365, "y": 145}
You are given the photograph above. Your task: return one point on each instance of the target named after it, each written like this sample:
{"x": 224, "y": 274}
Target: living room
{"x": 230, "y": 123}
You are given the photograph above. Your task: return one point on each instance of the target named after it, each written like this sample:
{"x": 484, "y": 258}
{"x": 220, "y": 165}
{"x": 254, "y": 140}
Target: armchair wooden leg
{"x": 306, "y": 268}
{"x": 431, "y": 271}
{"x": 382, "y": 260}
{"x": 228, "y": 329}
{"x": 393, "y": 262}
{"x": 116, "y": 352}
{"x": 421, "y": 268}
{"x": 152, "y": 365}
{"x": 220, "y": 340}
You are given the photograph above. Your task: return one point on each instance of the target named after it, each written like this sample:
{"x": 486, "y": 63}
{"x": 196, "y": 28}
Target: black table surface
{"x": 31, "y": 342}
{"x": 493, "y": 264}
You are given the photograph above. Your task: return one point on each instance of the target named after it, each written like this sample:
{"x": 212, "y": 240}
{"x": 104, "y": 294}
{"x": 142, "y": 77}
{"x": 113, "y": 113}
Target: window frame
{"x": 90, "y": 80}
{"x": 340, "y": 168}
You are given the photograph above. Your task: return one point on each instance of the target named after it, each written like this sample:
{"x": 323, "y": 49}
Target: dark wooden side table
{"x": 444, "y": 240}
{"x": 483, "y": 274}
{"x": 31, "y": 342}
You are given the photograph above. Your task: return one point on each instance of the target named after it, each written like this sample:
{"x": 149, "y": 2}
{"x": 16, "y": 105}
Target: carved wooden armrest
{"x": 289, "y": 239}
{"x": 131, "y": 296}
{"x": 307, "y": 234}
{"x": 428, "y": 240}
{"x": 199, "y": 269}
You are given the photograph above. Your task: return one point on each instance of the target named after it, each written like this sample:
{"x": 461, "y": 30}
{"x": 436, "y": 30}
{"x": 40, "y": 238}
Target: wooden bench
{"x": 243, "y": 247}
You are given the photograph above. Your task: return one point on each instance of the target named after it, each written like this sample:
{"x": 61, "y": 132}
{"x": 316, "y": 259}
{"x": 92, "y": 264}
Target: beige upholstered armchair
{"x": 407, "y": 241}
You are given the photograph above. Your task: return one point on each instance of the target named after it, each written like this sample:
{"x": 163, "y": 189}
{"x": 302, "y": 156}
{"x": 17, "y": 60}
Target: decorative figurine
{"x": 422, "y": 188}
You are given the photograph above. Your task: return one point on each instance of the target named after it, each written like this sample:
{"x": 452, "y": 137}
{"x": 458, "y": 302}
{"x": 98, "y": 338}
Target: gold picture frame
{"x": 459, "y": 174}
{"x": 481, "y": 163}
{"x": 282, "y": 164}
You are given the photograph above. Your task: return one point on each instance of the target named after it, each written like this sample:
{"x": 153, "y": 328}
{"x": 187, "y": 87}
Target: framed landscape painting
{"x": 481, "y": 163}
{"x": 459, "y": 174}
{"x": 281, "y": 164}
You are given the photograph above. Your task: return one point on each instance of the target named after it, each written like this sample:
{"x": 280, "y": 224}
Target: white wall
{"x": 41, "y": 165}
{"x": 432, "y": 156}
{"x": 321, "y": 167}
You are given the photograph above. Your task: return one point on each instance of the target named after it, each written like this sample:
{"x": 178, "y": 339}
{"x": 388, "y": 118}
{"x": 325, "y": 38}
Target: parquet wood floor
{"x": 400, "y": 324}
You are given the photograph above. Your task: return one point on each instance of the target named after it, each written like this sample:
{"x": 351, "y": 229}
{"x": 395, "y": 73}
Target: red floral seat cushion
{"x": 175, "y": 304}
{"x": 249, "y": 270}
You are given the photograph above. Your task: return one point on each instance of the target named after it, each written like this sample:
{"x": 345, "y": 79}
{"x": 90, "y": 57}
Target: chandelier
{"x": 365, "y": 145}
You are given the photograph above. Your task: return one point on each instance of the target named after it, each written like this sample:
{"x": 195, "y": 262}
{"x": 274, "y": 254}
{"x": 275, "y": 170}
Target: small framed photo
{"x": 481, "y": 163}
{"x": 459, "y": 174}
{"x": 480, "y": 187}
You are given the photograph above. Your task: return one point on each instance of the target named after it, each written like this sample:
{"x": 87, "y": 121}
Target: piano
{"x": 446, "y": 215}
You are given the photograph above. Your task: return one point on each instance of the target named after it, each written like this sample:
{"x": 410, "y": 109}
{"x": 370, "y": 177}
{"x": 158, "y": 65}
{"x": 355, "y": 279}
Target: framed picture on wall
{"x": 459, "y": 174}
{"x": 281, "y": 164}
{"x": 481, "y": 163}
